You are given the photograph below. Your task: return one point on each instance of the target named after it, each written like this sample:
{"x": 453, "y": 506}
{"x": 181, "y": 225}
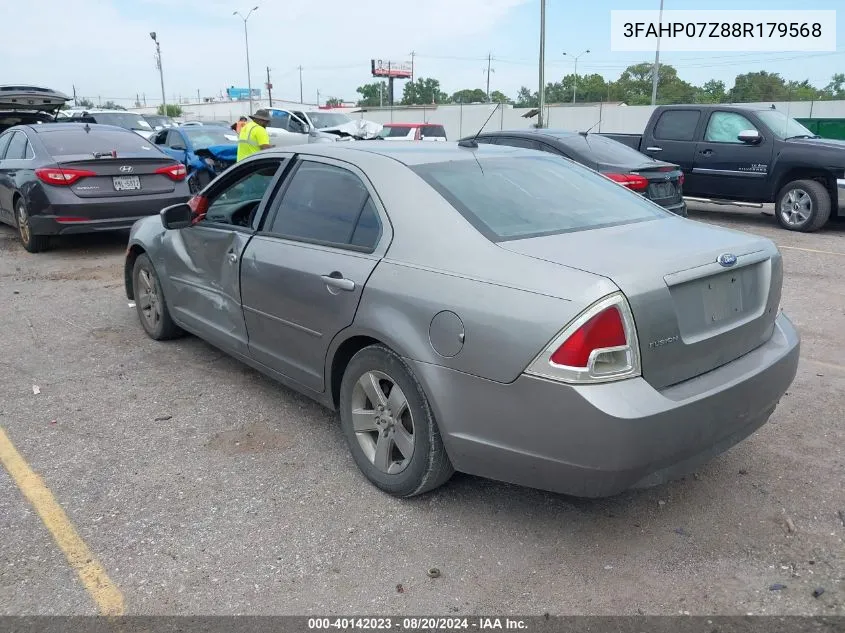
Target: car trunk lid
{"x": 664, "y": 181}
{"x": 692, "y": 313}
{"x": 19, "y": 97}
{"x": 123, "y": 176}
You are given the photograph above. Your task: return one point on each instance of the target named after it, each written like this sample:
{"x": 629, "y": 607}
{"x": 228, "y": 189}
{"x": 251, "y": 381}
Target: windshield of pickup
{"x": 783, "y": 126}
{"x": 328, "y": 119}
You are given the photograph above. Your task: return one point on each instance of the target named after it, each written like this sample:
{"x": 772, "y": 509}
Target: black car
{"x": 658, "y": 181}
{"x": 61, "y": 178}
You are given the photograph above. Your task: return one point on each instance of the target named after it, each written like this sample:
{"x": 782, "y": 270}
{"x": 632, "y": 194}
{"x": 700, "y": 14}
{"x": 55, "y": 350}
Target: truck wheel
{"x": 803, "y": 205}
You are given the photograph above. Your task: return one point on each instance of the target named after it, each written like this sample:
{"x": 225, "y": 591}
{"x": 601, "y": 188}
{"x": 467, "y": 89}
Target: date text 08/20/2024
{"x": 417, "y": 623}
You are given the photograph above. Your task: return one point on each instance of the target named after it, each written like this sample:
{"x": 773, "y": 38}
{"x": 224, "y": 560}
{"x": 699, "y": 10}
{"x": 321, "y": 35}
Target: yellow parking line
{"x": 810, "y": 250}
{"x": 106, "y": 595}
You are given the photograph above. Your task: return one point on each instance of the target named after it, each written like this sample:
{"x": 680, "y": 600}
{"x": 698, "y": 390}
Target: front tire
{"x": 149, "y": 302}
{"x": 32, "y": 243}
{"x": 390, "y": 426}
{"x": 803, "y": 205}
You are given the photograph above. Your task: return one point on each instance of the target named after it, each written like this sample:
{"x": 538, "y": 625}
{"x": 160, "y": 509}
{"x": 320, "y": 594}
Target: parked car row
{"x": 750, "y": 154}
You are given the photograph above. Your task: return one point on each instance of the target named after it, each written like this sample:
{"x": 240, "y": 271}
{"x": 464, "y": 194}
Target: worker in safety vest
{"x": 253, "y": 137}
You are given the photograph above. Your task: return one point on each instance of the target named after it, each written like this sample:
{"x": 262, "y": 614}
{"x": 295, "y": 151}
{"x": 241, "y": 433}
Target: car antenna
{"x": 591, "y": 129}
{"x": 471, "y": 143}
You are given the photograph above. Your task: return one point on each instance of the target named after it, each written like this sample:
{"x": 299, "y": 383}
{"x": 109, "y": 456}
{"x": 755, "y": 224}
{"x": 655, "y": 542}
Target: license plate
{"x": 722, "y": 297}
{"x": 126, "y": 183}
{"x": 663, "y": 190}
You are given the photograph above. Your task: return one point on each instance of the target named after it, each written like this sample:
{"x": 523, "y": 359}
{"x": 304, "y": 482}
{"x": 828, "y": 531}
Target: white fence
{"x": 460, "y": 120}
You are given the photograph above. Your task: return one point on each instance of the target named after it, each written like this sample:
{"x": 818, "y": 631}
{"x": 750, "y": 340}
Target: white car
{"x": 292, "y": 127}
{"x": 120, "y": 118}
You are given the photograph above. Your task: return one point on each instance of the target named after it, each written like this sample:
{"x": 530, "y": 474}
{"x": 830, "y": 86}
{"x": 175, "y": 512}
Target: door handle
{"x": 336, "y": 280}
{"x": 233, "y": 256}
{"x": 654, "y": 149}
{"x": 706, "y": 152}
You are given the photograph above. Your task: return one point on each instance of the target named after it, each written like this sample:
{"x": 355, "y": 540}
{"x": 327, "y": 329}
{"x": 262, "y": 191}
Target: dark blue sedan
{"x": 204, "y": 149}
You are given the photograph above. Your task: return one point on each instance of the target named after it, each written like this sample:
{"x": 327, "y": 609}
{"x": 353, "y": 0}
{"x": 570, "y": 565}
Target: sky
{"x": 103, "y": 47}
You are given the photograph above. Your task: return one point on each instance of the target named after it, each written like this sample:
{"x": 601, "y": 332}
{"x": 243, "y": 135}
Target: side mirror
{"x": 178, "y": 148}
{"x": 751, "y": 137}
{"x": 177, "y": 216}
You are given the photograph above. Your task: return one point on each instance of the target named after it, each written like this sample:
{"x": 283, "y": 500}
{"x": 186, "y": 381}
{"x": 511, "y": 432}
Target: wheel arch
{"x": 820, "y": 175}
{"x": 132, "y": 254}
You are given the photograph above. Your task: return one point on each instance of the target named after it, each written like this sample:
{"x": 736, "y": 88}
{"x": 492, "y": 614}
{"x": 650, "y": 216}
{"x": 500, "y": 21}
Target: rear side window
{"x": 436, "y": 131}
{"x": 327, "y": 204}
{"x": 28, "y": 152}
{"x": 677, "y": 125}
{"x": 78, "y": 141}
{"x": 513, "y": 141}
{"x": 605, "y": 150}
{"x": 529, "y": 196}
{"x": 17, "y": 146}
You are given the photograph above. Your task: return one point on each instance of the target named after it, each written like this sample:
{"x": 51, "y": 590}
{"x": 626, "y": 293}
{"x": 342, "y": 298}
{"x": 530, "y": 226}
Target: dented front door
{"x": 203, "y": 266}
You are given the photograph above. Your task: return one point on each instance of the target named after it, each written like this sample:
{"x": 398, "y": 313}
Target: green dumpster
{"x": 826, "y": 128}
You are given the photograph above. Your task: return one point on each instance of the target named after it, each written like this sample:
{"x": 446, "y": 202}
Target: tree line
{"x": 632, "y": 87}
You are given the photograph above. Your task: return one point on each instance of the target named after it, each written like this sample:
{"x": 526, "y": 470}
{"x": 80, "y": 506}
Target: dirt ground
{"x": 203, "y": 487}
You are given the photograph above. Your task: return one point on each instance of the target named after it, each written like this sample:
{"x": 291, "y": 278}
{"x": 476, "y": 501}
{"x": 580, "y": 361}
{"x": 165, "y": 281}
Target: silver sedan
{"x": 492, "y": 310}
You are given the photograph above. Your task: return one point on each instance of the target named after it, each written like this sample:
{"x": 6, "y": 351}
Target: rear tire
{"x": 803, "y": 205}
{"x": 32, "y": 243}
{"x": 390, "y": 426}
{"x": 149, "y": 302}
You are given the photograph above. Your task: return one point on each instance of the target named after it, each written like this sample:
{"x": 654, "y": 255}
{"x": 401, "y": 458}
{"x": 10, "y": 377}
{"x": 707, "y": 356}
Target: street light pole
{"x": 160, "y": 72}
{"x": 575, "y": 81}
{"x": 246, "y": 43}
{"x": 655, "y": 72}
{"x": 542, "y": 91}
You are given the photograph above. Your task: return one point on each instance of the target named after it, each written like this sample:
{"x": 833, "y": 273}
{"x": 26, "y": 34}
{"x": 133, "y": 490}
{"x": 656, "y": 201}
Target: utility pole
{"x": 199, "y": 99}
{"x": 318, "y": 98}
{"x": 381, "y": 94}
{"x": 301, "y": 100}
{"x": 246, "y": 43}
{"x": 413, "y": 54}
{"x": 269, "y": 87}
{"x": 489, "y": 70}
{"x": 75, "y": 102}
{"x": 542, "y": 92}
{"x": 160, "y": 72}
{"x": 655, "y": 72}
{"x": 144, "y": 97}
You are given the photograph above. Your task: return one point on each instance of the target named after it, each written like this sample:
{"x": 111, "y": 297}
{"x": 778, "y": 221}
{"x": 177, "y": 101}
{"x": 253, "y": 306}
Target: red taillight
{"x": 634, "y": 182}
{"x": 176, "y": 172}
{"x": 62, "y": 176}
{"x": 604, "y": 330}
{"x": 599, "y": 345}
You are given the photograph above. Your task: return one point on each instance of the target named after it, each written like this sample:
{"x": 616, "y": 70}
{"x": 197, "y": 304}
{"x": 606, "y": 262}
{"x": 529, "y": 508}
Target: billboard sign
{"x": 391, "y": 69}
{"x": 242, "y": 93}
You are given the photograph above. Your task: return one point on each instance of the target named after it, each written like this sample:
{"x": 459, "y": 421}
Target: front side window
{"x": 724, "y": 127}
{"x": 241, "y": 198}
{"x": 528, "y": 196}
{"x": 328, "y": 205}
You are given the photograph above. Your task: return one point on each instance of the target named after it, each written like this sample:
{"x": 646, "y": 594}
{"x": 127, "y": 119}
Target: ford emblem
{"x": 726, "y": 259}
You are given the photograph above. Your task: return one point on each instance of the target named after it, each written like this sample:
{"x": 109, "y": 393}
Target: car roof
{"x": 408, "y": 154}
{"x": 531, "y": 133}
{"x": 53, "y": 127}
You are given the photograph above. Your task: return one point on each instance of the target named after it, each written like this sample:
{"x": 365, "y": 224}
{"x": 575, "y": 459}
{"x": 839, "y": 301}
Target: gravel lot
{"x": 205, "y": 488}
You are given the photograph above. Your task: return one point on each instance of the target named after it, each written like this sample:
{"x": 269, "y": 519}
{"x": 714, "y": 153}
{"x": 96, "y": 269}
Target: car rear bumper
{"x": 840, "y": 189}
{"x": 679, "y": 208}
{"x": 598, "y": 440}
{"x": 95, "y": 216}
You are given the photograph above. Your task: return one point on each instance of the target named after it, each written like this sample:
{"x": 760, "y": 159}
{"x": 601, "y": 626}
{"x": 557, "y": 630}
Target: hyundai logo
{"x": 726, "y": 259}
{"x": 126, "y": 168}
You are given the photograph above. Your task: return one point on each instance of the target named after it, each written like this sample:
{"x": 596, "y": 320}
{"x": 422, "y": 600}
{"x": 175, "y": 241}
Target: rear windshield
{"x": 67, "y": 142}
{"x": 605, "y": 150}
{"x": 205, "y": 136}
{"x": 433, "y": 130}
{"x": 528, "y": 196}
{"x": 393, "y": 131}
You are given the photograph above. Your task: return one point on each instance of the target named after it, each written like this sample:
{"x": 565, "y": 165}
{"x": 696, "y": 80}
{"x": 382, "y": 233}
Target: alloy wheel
{"x": 149, "y": 299}
{"x": 796, "y": 207}
{"x": 23, "y": 223}
{"x": 383, "y": 423}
